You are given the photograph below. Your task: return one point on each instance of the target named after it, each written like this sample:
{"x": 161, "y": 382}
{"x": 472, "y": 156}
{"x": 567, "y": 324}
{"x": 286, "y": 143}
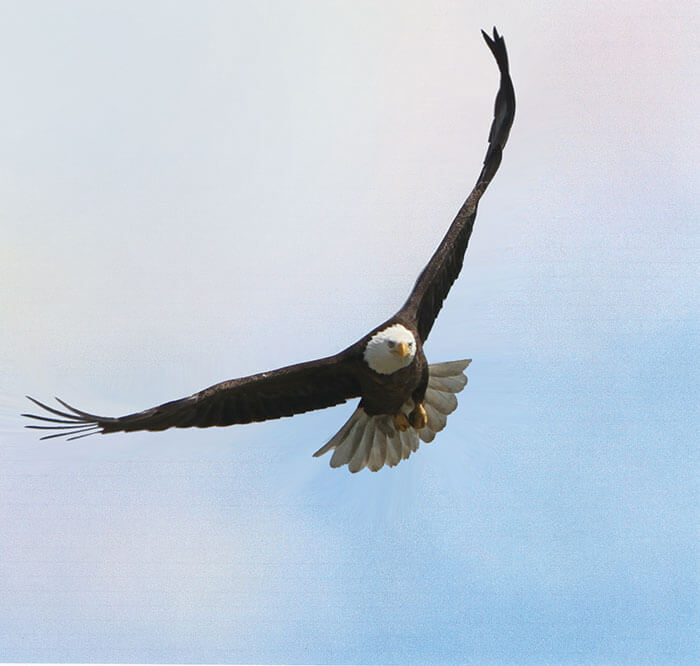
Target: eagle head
{"x": 390, "y": 349}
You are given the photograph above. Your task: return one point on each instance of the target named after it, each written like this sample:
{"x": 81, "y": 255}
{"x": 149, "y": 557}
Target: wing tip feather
{"x": 71, "y": 425}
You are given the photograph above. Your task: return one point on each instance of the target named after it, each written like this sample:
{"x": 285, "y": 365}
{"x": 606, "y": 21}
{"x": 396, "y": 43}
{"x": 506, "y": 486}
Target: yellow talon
{"x": 418, "y": 417}
{"x": 401, "y": 422}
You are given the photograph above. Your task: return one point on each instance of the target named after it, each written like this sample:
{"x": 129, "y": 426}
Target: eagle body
{"x": 403, "y": 398}
{"x": 386, "y": 392}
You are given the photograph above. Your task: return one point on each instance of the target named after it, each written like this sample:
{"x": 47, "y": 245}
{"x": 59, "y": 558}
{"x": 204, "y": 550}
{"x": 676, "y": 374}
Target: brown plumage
{"x": 398, "y": 393}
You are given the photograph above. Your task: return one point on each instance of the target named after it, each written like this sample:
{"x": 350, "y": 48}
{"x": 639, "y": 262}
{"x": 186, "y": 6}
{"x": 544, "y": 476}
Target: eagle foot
{"x": 401, "y": 422}
{"x": 418, "y": 418}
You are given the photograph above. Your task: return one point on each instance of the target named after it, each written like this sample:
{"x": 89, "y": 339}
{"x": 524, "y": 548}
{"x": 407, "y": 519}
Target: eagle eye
{"x": 391, "y": 344}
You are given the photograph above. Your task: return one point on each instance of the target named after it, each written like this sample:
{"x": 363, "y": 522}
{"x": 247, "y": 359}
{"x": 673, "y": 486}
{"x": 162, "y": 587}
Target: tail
{"x": 373, "y": 441}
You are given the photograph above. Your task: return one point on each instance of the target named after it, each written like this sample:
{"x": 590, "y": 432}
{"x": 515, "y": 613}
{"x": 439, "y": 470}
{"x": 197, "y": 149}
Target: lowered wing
{"x": 433, "y": 284}
{"x": 268, "y": 395}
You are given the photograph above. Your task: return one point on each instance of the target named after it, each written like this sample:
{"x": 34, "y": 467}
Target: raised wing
{"x": 268, "y": 395}
{"x": 433, "y": 284}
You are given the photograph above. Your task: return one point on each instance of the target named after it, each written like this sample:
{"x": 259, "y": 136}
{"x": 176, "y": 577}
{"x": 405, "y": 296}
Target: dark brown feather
{"x": 433, "y": 284}
{"x": 335, "y": 379}
{"x": 268, "y": 395}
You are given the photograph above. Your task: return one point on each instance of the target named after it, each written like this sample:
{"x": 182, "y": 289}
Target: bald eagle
{"x": 402, "y": 399}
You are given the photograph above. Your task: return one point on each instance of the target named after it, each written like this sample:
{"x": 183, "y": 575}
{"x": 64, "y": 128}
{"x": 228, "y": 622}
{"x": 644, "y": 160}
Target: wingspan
{"x": 268, "y": 395}
{"x": 433, "y": 284}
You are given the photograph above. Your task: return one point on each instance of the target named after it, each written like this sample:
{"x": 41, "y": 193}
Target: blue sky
{"x": 198, "y": 191}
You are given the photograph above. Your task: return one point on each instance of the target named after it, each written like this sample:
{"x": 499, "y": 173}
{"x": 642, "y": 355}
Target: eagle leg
{"x": 401, "y": 422}
{"x": 418, "y": 418}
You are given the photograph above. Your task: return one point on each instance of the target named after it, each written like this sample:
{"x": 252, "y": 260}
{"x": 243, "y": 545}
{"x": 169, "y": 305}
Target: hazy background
{"x": 197, "y": 191}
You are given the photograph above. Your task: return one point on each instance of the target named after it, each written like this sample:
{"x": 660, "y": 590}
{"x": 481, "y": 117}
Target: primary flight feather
{"x": 402, "y": 399}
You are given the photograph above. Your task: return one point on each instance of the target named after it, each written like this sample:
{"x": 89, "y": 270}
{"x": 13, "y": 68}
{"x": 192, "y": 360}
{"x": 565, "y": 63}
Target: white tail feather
{"x": 393, "y": 451}
{"x": 373, "y": 441}
{"x": 377, "y": 452}
{"x": 361, "y": 455}
{"x": 444, "y": 402}
{"x": 346, "y": 442}
{"x": 449, "y": 368}
{"x": 452, "y": 384}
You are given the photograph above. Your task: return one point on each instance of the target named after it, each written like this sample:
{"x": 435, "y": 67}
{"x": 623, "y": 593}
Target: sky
{"x": 193, "y": 192}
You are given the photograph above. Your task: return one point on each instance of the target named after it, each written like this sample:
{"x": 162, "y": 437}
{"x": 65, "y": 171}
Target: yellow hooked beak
{"x": 402, "y": 349}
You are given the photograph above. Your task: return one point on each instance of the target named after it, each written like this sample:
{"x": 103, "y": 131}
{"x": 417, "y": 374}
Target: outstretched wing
{"x": 268, "y": 395}
{"x": 434, "y": 282}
